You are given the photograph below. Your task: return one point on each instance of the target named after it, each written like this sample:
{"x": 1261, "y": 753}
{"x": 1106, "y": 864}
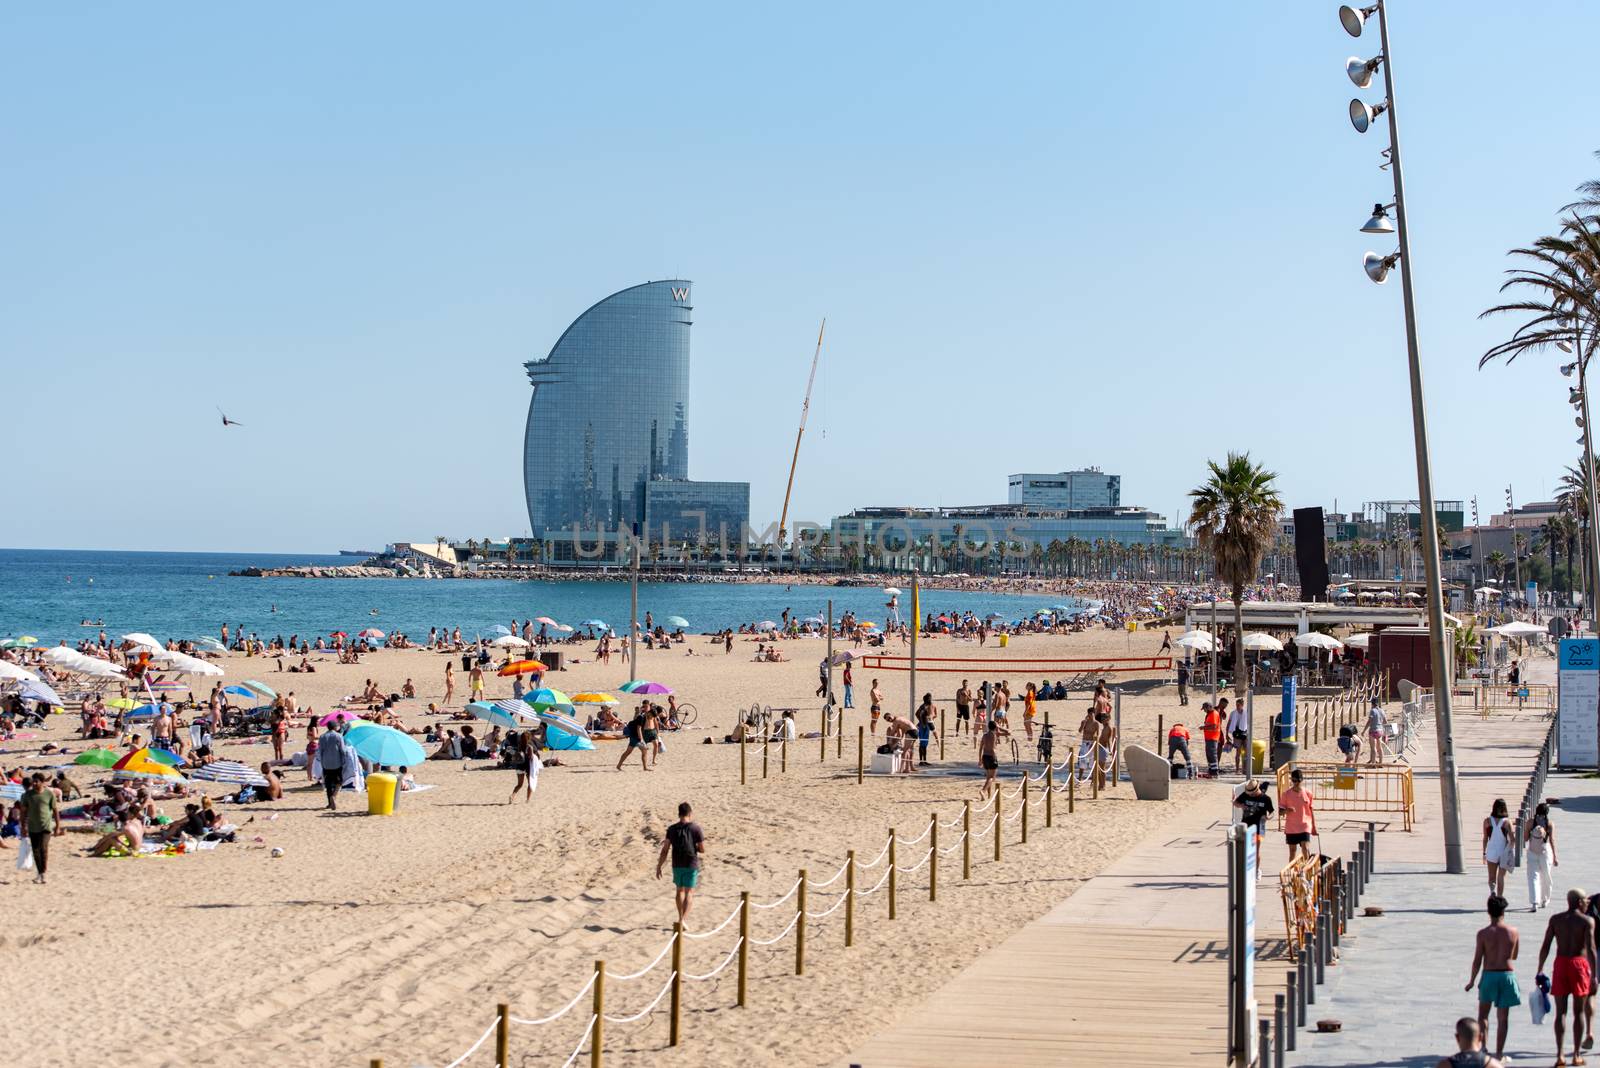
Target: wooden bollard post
{"x": 744, "y": 944}
{"x": 861, "y": 752}
{"x": 1161, "y": 729}
{"x": 894, "y": 874}
{"x": 1049, "y": 794}
{"x": 933, "y": 858}
{"x": 800, "y": 927}
{"x": 1094, "y": 775}
{"x": 597, "y": 1036}
{"x": 999, "y": 820}
{"x": 1072, "y": 788}
{"x": 502, "y": 1036}
{"x": 1024, "y": 806}
{"x": 838, "y": 738}
{"x": 677, "y": 982}
{"x": 822, "y": 737}
{"x": 941, "y": 736}
{"x": 783, "y": 755}
{"x": 376, "y": 1062}
{"x": 967, "y": 841}
{"x": 744, "y": 746}
{"x": 850, "y": 899}
{"x": 766, "y": 746}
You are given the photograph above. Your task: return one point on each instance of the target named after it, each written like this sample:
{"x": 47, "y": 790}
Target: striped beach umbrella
{"x": 371, "y": 632}
{"x": 563, "y": 721}
{"x": 504, "y": 713}
{"x": 229, "y": 771}
{"x": 260, "y": 689}
{"x": 546, "y": 697}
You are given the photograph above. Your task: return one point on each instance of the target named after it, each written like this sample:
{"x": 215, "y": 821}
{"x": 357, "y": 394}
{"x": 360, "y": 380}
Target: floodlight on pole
{"x": 1379, "y": 223}
{"x": 1362, "y": 114}
{"x": 1361, "y": 70}
{"x": 1568, "y": 368}
{"x": 1378, "y": 267}
{"x": 1354, "y": 18}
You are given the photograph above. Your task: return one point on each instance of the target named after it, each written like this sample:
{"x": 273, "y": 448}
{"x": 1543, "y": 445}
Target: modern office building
{"x": 712, "y": 515}
{"x": 609, "y": 417}
{"x": 1066, "y": 490}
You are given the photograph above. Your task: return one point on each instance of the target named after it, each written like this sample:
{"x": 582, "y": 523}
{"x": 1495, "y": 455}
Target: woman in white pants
{"x": 1541, "y": 853}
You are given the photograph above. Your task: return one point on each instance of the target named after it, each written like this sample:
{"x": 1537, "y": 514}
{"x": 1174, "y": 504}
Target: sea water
{"x": 49, "y": 593}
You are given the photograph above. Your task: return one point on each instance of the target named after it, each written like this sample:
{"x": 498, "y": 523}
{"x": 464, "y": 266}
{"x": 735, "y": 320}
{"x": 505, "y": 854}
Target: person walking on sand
{"x": 1377, "y": 727}
{"x": 988, "y": 759}
{"x": 963, "y": 709}
{"x": 1496, "y": 953}
{"x": 685, "y": 844}
{"x": 1572, "y": 980}
{"x": 41, "y": 816}
{"x": 528, "y": 765}
{"x": 1183, "y": 682}
{"x": 875, "y": 699}
{"x": 1540, "y": 840}
{"x": 1299, "y": 815}
{"x": 849, "y": 687}
{"x": 475, "y": 681}
{"x": 925, "y": 718}
{"x": 449, "y": 682}
{"x": 634, "y": 733}
{"x": 335, "y": 758}
{"x": 1030, "y": 709}
{"x": 1211, "y": 732}
{"x": 1498, "y": 852}
{"x": 1469, "y": 1052}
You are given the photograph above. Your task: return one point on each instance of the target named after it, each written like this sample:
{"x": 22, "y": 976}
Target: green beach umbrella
{"x": 99, "y": 758}
{"x": 546, "y": 697}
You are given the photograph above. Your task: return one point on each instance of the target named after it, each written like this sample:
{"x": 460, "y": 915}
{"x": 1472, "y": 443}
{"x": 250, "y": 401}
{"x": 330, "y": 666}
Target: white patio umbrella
{"x": 1199, "y": 640}
{"x": 892, "y": 591}
{"x": 1265, "y": 643}
{"x": 95, "y": 669}
{"x": 1358, "y": 641}
{"x": 510, "y": 641}
{"x": 1518, "y": 629}
{"x": 184, "y": 664}
{"x": 139, "y": 637}
{"x": 9, "y": 670}
{"x": 1316, "y": 640}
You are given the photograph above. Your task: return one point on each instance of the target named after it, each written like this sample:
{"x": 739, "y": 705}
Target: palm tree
{"x": 1466, "y": 639}
{"x": 1497, "y": 562}
{"x": 1235, "y": 517}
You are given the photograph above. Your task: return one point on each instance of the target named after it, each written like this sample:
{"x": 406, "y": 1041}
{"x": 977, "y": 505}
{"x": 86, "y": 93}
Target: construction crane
{"x": 805, "y": 408}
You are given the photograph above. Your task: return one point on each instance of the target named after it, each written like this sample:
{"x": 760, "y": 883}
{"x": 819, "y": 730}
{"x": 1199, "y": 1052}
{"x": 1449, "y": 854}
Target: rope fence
{"x": 849, "y": 898}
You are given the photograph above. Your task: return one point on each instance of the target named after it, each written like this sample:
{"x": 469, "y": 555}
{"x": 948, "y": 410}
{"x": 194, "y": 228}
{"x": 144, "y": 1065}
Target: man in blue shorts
{"x": 686, "y": 844}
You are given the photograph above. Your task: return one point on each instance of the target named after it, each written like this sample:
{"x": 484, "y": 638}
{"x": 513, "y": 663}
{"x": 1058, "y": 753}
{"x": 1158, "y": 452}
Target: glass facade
{"x": 610, "y": 412}
{"x": 712, "y": 514}
{"x": 894, "y": 526}
{"x": 1065, "y": 490}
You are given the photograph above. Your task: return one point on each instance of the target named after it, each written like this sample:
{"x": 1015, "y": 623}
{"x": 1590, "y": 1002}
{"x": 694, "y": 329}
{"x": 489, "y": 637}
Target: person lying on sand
{"x": 128, "y": 839}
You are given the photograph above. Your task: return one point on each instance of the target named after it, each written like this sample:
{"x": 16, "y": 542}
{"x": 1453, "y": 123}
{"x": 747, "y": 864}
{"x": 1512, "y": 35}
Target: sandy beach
{"x": 396, "y": 937}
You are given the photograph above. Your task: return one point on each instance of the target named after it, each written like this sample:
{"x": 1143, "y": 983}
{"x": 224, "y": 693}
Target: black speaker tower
{"x": 1310, "y": 554}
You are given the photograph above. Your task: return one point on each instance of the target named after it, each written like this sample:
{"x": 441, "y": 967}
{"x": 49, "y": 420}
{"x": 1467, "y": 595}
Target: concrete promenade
{"x": 1132, "y": 968}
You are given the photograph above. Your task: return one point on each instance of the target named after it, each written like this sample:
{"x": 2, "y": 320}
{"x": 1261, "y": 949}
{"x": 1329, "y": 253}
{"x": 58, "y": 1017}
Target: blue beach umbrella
{"x": 499, "y": 630}
{"x": 385, "y": 745}
{"x": 600, "y": 623}
{"x": 34, "y": 690}
{"x": 503, "y": 713}
{"x": 675, "y": 621}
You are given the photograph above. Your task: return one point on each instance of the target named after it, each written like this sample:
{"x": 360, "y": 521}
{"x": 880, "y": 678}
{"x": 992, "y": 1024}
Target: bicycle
{"x": 686, "y": 714}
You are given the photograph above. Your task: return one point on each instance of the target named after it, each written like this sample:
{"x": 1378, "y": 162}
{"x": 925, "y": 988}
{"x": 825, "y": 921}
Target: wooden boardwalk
{"x": 1132, "y": 968}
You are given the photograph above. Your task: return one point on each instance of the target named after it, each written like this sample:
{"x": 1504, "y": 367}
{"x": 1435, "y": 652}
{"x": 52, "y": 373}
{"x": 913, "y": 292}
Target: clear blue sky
{"x": 1044, "y": 236}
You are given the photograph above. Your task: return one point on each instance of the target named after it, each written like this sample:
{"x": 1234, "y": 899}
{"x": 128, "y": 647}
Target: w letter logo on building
{"x": 680, "y": 294}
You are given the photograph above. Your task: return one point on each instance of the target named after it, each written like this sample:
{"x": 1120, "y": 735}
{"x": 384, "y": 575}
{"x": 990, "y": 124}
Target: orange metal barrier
{"x": 1356, "y": 788}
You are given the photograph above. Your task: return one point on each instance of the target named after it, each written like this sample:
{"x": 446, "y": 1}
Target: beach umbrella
{"x": 229, "y": 771}
{"x": 9, "y": 670}
{"x": 239, "y": 691}
{"x": 817, "y": 620}
{"x": 499, "y": 628}
{"x": 521, "y": 667}
{"x": 866, "y": 624}
{"x": 844, "y": 656}
{"x": 1060, "y": 608}
{"x": 122, "y": 704}
{"x": 1262, "y": 643}
{"x": 558, "y": 737}
{"x": 99, "y": 758}
{"x": 504, "y": 713}
{"x": 141, "y": 764}
{"x": 1358, "y": 641}
{"x": 261, "y": 689}
{"x": 338, "y": 715}
{"x": 561, "y": 627}
{"x": 509, "y": 641}
{"x": 644, "y": 686}
{"x": 371, "y": 632}
{"x": 167, "y": 686}
{"x": 139, "y": 637}
{"x": 385, "y": 745}
{"x": 18, "y": 643}
{"x": 676, "y": 621}
{"x": 141, "y": 712}
{"x": 211, "y": 643}
{"x": 594, "y": 699}
{"x": 337, "y": 634}
{"x": 1486, "y": 591}
{"x": 1195, "y": 639}
{"x": 547, "y": 621}
{"x": 165, "y": 756}
{"x": 1344, "y": 594}
{"x": 35, "y": 690}
{"x": 1314, "y": 640}
{"x": 766, "y": 624}
{"x": 994, "y": 615}
{"x": 892, "y": 591}
{"x": 1518, "y": 629}
{"x": 546, "y": 696}
{"x": 184, "y": 664}
{"x": 603, "y": 625}
{"x": 561, "y": 721}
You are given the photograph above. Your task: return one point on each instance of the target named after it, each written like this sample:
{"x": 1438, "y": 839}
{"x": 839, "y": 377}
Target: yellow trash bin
{"x": 380, "y": 794}
{"x": 1258, "y": 756}
{"x": 1005, "y": 640}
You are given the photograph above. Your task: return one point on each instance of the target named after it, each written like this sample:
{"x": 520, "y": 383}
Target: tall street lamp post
{"x": 1377, "y": 267}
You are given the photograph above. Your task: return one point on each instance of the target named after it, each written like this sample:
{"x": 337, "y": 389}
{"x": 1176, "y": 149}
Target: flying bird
{"x": 226, "y": 421}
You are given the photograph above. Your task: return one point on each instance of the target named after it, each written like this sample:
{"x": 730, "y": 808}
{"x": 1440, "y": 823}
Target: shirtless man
{"x": 1088, "y": 738}
{"x": 963, "y": 709}
{"x": 988, "y": 759}
{"x": 1573, "y": 934}
{"x": 875, "y": 699}
{"x": 1496, "y": 953}
{"x": 1107, "y": 741}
